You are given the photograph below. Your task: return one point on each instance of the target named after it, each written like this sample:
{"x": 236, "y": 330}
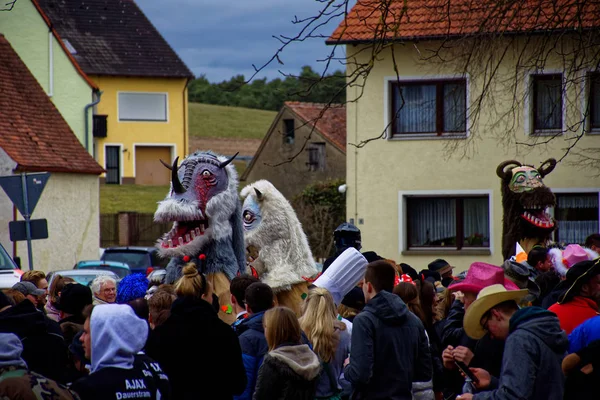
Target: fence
{"x": 130, "y": 229}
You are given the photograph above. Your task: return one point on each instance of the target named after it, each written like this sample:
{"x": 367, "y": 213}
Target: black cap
{"x": 74, "y": 297}
{"x": 371, "y": 256}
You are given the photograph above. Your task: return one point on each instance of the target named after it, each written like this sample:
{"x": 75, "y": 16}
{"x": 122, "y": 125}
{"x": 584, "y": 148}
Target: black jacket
{"x": 116, "y": 383}
{"x": 44, "y": 349}
{"x": 389, "y": 350}
{"x": 198, "y": 352}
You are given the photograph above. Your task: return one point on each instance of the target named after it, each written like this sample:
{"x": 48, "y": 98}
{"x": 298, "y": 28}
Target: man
{"x": 238, "y": 287}
{"x": 104, "y": 289}
{"x": 535, "y": 347}
{"x": 259, "y": 298}
{"x": 580, "y": 300}
{"x": 159, "y": 305}
{"x": 30, "y": 291}
{"x": 389, "y": 345}
{"x": 38, "y": 278}
{"x": 112, "y": 336}
{"x": 443, "y": 268}
{"x": 73, "y": 300}
{"x": 538, "y": 261}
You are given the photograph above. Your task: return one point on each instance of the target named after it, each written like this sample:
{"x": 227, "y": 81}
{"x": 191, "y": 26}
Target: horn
{"x": 547, "y": 167}
{"x": 177, "y": 187}
{"x": 224, "y": 163}
{"x": 500, "y": 170}
{"x": 167, "y": 166}
{"x": 259, "y": 195}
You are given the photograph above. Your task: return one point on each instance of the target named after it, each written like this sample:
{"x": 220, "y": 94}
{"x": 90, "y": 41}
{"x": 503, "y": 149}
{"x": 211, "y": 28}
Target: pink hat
{"x": 481, "y": 275}
{"x": 574, "y": 253}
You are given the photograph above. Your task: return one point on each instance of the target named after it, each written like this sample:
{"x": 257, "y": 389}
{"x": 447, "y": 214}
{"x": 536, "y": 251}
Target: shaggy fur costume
{"x": 524, "y": 202}
{"x": 277, "y": 246}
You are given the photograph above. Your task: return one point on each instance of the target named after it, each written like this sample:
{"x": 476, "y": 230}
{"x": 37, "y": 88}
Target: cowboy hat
{"x": 577, "y": 276}
{"x": 486, "y": 299}
{"x": 481, "y": 275}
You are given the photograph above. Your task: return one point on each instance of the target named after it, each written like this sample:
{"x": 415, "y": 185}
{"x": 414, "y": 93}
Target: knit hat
{"x": 73, "y": 298}
{"x": 343, "y": 274}
{"x": 132, "y": 287}
{"x": 355, "y": 298}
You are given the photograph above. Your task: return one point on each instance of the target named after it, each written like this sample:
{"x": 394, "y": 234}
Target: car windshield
{"x": 81, "y": 278}
{"x": 6, "y": 263}
{"x": 134, "y": 259}
{"x": 121, "y": 272}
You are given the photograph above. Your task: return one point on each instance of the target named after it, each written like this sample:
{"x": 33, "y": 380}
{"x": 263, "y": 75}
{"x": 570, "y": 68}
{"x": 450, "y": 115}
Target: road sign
{"x": 18, "y": 229}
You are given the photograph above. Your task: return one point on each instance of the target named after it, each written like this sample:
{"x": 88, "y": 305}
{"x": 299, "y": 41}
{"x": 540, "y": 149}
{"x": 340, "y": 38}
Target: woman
{"x": 199, "y": 353}
{"x": 290, "y": 370}
{"x": 329, "y": 338}
{"x": 58, "y": 284}
{"x": 409, "y": 294}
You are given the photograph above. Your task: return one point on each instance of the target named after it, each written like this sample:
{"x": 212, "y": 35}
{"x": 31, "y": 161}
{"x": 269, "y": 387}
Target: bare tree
{"x": 8, "y": 5}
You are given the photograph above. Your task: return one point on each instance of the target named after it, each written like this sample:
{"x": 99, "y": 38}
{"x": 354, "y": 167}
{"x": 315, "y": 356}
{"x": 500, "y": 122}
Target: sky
{"x": 223, "y": 38}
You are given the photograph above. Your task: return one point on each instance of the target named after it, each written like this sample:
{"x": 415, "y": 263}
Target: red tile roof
{"x": 328, "y": 121}
{"x": 32, "y": 131}
{"x": 432, "y": 19}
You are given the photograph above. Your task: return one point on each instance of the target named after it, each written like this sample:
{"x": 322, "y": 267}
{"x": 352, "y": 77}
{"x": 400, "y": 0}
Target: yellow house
{"x": 140, "y": 112}
{"x": 435, "y": 123}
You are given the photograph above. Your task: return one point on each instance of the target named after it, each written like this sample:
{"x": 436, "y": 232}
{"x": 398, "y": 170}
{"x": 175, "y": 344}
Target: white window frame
{"x": 587, "y": 89}
{"x": 528, "y": 104}
{"x": 576, "y": 191}
{"x": 173, "y": 147}
{"x": 166, "y": 120}
{"x": 387, "y": 105}
{"x": 402, "y": 218}
{"x": 121, "y": 169}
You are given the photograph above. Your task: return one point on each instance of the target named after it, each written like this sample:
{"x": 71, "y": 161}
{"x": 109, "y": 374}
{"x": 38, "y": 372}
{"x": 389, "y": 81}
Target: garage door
{"x": 148, "y": 169}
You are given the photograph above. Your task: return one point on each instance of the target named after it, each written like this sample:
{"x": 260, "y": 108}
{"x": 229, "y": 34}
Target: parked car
{"x": 9, "y": 271}
{"x": 138, "y": 258}
{"x": 119, "y": 268}
{"x": 83, "y": 276}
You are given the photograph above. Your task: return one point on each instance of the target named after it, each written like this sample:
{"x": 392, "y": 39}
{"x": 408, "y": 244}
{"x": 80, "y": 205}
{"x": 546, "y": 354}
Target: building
{"x": 313, "y": 136}
{"x": 35, "y": 137}
{"x": 438, "y": 123}
{"x": 141, "y": 111}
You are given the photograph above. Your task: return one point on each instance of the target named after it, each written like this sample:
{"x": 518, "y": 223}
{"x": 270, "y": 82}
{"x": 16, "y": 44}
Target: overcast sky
{"x": 223, "y": 38}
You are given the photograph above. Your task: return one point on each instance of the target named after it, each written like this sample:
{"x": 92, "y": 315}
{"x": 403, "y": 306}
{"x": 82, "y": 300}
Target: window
{"x": 429, "y": 107}
{"x": 316, "y": 157}
{"x": 112, "y": 164}
{"x": 288, "y": 131}
{"x": 576, "y": 215}
{"x": 449, "y": 222}
{"x": 547, "y": 102}
{"x": 142, "y": 106}
{"x": 595, "y": 102}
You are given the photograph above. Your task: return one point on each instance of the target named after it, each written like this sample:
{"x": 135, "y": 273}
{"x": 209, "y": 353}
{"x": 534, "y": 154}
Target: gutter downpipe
{"x": 86, "y": 110}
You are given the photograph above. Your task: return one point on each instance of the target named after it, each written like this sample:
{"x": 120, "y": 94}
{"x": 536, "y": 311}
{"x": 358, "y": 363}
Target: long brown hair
{"x": 410, "y": 295}
{"x": 281, "y": 326}
{"x": 319, "y": 323}
{"x": 58, "y": 284}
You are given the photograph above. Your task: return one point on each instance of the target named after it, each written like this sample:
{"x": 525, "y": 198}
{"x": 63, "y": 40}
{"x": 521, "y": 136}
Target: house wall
{"x": 291, "y": 178}
{"x": 128, "y": 134}
{"x": 30, "y": 37}
{"x": 378, "y": 172}
{"x": 70, "y": 203}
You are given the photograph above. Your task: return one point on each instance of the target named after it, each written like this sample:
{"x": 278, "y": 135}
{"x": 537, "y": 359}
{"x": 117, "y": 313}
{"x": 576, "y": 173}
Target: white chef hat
{"x": 343, "y": 274}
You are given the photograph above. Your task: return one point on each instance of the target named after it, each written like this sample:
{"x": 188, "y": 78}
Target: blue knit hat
{"x": 132, "y": 287}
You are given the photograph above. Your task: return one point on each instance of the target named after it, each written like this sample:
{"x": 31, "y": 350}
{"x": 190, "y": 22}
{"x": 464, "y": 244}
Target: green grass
{"x": 207, "y": 120}
{"x": 140, "y": 198}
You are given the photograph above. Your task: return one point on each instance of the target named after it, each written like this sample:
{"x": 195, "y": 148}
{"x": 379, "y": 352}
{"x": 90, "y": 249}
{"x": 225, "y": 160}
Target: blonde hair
{"x": 281, "y": 326}
{"x": 319, "y": 323}
{"x": 33, "y": 276}
{"x": 191, "y": 284}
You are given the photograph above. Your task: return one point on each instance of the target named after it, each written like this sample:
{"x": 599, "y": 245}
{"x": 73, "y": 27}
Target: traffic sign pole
{"x": 27, "y": 217}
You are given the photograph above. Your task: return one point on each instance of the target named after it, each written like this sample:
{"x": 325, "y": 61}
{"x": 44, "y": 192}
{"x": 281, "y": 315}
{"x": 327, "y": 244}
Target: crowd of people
{"x": 516, "y": 331}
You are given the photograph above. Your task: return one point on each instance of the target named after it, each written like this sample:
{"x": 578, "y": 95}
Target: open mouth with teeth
{"x": 251, "y": 253}
{"x": 182, "y": 233}
{"x": 538, "y": 216}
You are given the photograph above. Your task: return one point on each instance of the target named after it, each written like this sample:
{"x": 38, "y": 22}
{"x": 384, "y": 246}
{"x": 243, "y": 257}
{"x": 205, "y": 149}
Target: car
{"x": 9, "y": 270}
{"x": 138, "y": 258}
{"x": 82, "y": 276}
{"x": 119, "y": 268}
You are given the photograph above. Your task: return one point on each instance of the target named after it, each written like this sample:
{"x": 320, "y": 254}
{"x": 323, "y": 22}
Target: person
{"x": 352, "y": 304}
{"x": 389, "y": 345}
{"x": 15, "y": 296}
{"x": 592, "y": 242}
{"x": 534, "y": 351}
{"x": 582, "y": 370}
{"x": 538, "y": 261}
{"x": 329, "y": 337}
{"x": 251, "y": 334}
{"x": 579, "y": 302}
{"x": 345, "y": 235}
{"x": 18, "y": 382}
{"x": 112, "y": 336}
{"x": 73, "y": 300}
{"x": 238, "y": 287}
{"x": 194, "y": 329}
{"x": 104, "y": 289}
{"x": 290, "y": 370}
{"x": 520, "y": 276}
{"x": 443, "y": 268}
{"x": 38, "y": 278}
{"x": 159, "y": 305}
{"x": 58, "y": 283}
{"x": 30, "y": 291}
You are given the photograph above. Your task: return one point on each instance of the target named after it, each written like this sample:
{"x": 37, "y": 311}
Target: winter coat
{"x": 389, "y": 350}
{"x": 574, "y": 312}
{"x": 44, "y": 348}
{"x": 254, "y": 347}
{"x": 584, "y": 334}
{"x": 335, "y": 367}
{"x": 289, "y": 372}
{"x": 198, "y": 352}
{"x": 531, "y": 365}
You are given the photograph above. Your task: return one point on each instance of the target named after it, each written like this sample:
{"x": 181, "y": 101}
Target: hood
{"x": 10, "y": 351}
{"x": 117, "y": 335}
{"x": 543, "y": 324}
{"x": 388, "y": 307}
{"x": 254, "y": 322}
{"x": 300, "y": 358}
{"x": 23, "y": 319}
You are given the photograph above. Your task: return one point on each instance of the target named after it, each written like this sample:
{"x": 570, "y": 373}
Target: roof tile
{"x": 330, "y": 120}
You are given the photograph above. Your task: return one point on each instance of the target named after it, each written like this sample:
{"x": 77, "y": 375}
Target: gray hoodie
{"x": 10, "y": 351}
{"x": 300, "y": 359}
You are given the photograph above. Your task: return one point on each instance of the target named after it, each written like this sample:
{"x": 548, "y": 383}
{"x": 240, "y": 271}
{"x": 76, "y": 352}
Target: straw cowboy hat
{"x": 486, "y": 299}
